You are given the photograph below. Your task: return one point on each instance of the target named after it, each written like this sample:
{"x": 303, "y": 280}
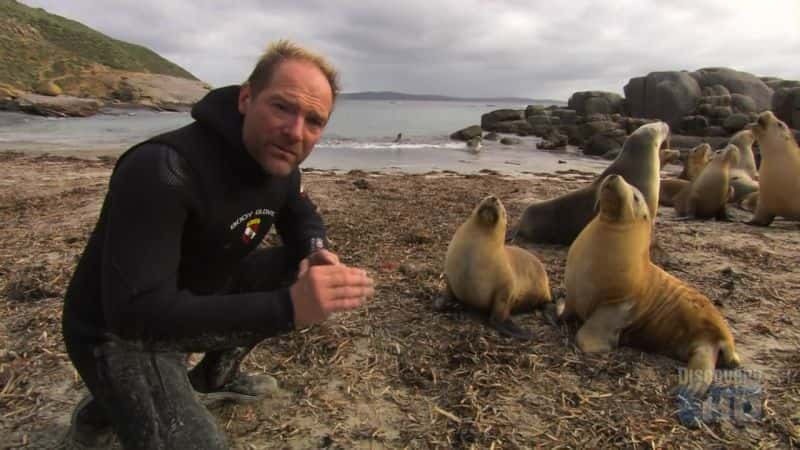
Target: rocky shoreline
{"x": 707, "y": 105}
{"x": 105, "y": 89}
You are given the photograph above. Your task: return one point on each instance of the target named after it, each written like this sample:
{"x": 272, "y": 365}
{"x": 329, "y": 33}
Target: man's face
{"x": 284, "y": 121}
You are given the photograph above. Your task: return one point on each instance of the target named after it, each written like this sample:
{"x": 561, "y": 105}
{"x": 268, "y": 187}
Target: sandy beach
{"x": 397, "y": 373}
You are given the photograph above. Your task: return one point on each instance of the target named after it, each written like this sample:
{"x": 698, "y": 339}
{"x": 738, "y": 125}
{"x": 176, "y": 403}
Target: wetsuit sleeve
{"x": 300, "y": 226}
{"x": 150, "y": 197}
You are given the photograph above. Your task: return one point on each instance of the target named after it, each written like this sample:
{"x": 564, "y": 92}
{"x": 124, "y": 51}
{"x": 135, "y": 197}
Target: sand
{"x": 396, "y": 373}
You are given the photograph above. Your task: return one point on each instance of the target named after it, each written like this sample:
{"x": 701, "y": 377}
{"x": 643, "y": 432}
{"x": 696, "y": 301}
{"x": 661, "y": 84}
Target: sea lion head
{"x": 701, "y": 154}
{"x": 771, "y": 132}
{"x": 668, "y": 155}
{"x": 620, "y": 202}
{"x": 490, "y": 213}
{"x": 648, "y": 137}
{"x": 728, "y": 155}
{"x": 744, "y": 139}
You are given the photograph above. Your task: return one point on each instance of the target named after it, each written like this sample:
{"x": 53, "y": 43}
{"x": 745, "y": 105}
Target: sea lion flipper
{"x": 723, "y": 215}
{"x": 509, "y": 328}
{"x": 445, "y": 297}
{"x": 600, "y": 333}
{"x": 761, "y": 217}
{"x": 700, "y": 370}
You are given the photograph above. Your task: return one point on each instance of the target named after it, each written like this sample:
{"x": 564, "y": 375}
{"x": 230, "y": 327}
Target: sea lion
{"x": 747, "y": 162}
{"x": 744, "y": 175}
{"x": 669, "y": 189}
{"x": 623, "y": 298}
{"x": 749, "y": 202}
{"x": 559, "y": 220}
{"x": 779, "y": 173}
{"x": 707, "y": 196}
{"x": 697, "y": 159}
{"x": 666, "y": 156}
{"x": 482, "y": 272}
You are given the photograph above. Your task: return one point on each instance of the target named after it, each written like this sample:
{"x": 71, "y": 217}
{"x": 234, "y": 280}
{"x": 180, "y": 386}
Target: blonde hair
{"x": 284, "y": 50}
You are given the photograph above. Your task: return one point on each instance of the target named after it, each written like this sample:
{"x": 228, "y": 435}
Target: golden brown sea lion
{"x": 559, "y": 220}
{"x": 707, "y": 196}
{"x": 744, "y": 175}
{"x": 749, "y": 202}
{"x": 482, "y": 272}
{"x": 698, "y": 157}
{"x": 779, "y": 174}
{"x": 666, "y": 156}
{"x": 696, "y": 160}
{"x": 623, "y": 298}
{"x": 747, "y": 162}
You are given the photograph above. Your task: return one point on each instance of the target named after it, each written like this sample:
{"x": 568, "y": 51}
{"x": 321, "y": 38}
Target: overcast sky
{"x": 525, "y": 48}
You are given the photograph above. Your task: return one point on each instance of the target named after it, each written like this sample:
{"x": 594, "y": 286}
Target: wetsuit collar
{"x": 219, "y": 111}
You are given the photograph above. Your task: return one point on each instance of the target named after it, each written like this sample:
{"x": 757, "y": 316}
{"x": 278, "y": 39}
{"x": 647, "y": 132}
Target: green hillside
{"x": 36, "y": 45}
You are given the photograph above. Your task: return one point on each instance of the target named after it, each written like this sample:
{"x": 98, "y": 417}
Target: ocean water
{"x": 361, "y": 135}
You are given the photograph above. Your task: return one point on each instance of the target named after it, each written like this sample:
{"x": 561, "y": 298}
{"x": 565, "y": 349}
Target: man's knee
{"x": 150, "y": 400}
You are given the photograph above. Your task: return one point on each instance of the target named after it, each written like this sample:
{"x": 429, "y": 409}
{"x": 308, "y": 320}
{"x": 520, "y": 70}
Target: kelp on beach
{"x": 396, "y": 373}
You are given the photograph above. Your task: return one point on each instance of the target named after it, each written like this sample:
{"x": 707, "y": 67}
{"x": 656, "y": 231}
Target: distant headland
{"x": 390, "y": 95}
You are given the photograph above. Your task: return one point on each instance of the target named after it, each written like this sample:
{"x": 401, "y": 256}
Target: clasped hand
{"x": 325, "y": 286}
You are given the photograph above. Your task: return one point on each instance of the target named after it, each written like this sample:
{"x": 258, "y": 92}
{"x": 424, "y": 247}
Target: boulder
{"x": 566, "y": 116}
{"x": 61, "y": 106}
{"x": 595, "y": 102}
{"x": 720, "y": 112}
{"x": 589, "y": 129}
{"x": 786, "y": 106}
{"x": 743, "y": 104}
{"x": 715, "y": 90}
{"x": 715, "y": 100}
{"x": 662, "y": 95}
{"x": 685, "y": 142}
{"x": 491, "y": 136}
{"x": 600, "y": 144}
{"x": 694, "y": 125}
{"x": 467, "y": 133}
{"x": 534, "y": 110}
{"x": 499, "y": 115}
{"x": 521, "y": 127}
{"x": 543, "y": 120}
{"x": 737, "y": 83}
{"x": 735, "y": 122}
{"x": 510, "y": 141}
{"x": 554, "y": 140}
{"x": 632, "y": 124}
{"x": 716, "y": 131}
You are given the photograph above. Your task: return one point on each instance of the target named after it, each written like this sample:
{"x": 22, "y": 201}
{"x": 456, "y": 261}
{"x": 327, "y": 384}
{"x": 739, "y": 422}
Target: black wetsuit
{"x": 170, "y": 268}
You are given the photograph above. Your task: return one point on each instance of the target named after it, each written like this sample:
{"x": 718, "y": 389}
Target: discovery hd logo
{"x": 735, "y": 395}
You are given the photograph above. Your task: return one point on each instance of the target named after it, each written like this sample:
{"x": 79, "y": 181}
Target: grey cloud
{"x": 531, "y": 48}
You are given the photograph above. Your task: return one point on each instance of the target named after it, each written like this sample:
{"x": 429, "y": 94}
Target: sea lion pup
{"x": 744, "y": 140}
{"x": 749, "y": 202}
{"x": 779, "y": 174}
{"x": 698, "y": 157}
{"x": 623, "y": 298}
{"x": 482, "y": 272}
{"x": 666, "y": 156}
{"x": 744, "y": 175}
{"x": 707, "y": 196}
{"x": 696, "y": 160}
{"x": 559, "y": 220}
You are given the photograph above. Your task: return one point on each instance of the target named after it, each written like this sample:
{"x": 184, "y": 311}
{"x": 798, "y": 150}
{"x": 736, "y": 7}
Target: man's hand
{"x": 318, "y": 258}
{"x": 325, "y": 286}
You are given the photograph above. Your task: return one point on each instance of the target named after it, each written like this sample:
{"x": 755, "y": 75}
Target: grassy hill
{"x": 37, "y": 46}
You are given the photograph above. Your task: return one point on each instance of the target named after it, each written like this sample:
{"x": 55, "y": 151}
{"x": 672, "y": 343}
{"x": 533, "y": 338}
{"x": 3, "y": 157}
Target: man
{"x": 172, "y": 265}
